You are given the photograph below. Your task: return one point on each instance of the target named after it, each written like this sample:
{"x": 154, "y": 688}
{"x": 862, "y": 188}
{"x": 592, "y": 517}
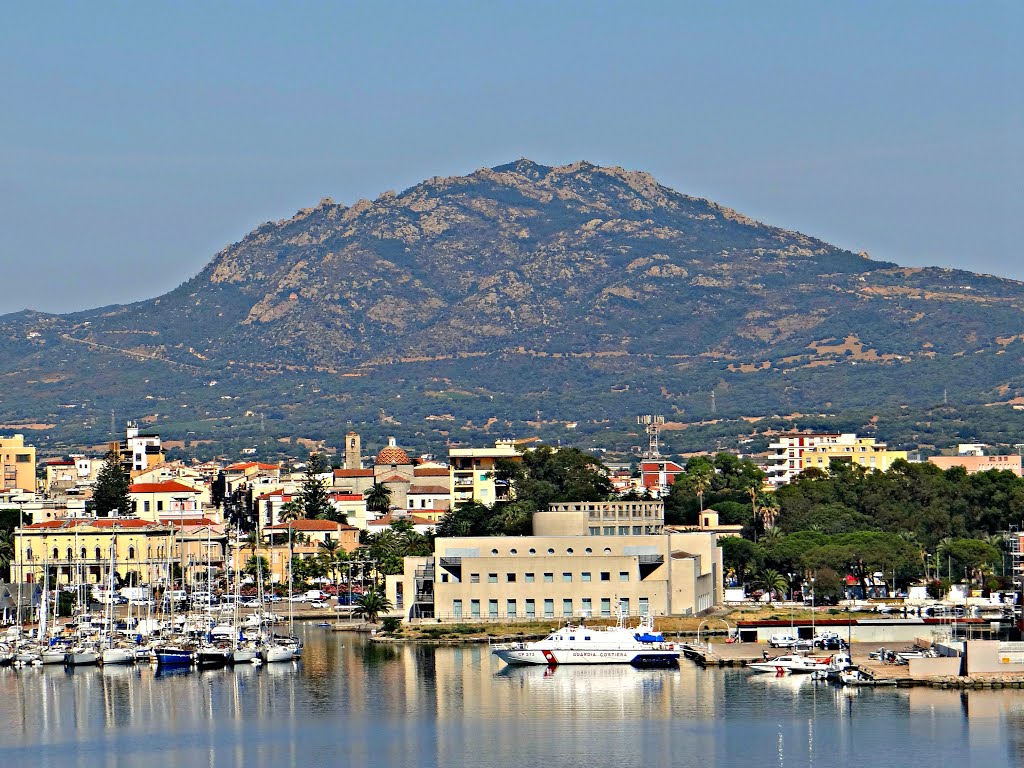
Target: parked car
{"x": 781, "y": 641}
{"x": 318, "y": 604}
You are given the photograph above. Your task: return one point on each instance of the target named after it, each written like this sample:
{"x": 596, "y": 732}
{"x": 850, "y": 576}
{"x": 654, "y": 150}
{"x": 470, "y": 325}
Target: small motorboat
{"x": 790, "y": 664}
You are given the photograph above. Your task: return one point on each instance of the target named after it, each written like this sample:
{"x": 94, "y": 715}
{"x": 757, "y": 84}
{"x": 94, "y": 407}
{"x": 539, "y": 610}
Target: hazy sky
{"x": 137, "y": 139}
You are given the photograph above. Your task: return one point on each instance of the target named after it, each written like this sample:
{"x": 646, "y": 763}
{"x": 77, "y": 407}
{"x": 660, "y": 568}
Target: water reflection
{"x": 351, "y": 702}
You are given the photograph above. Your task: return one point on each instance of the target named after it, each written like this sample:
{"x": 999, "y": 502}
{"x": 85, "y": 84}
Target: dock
{"x": 722, "y": 654}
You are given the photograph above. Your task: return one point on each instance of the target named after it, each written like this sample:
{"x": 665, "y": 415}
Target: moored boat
{"x": 790, "y": 664}
{"x": 579, "y": 644}
{"x": 172, "y": 656}
{"x": 81, "y": 657}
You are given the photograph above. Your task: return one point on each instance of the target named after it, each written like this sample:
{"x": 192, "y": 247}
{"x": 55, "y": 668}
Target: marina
{"x": 354, "y": 701}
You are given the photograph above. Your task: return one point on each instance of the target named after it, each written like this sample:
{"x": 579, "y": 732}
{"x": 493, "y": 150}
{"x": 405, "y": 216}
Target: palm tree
{"x": 292, "y": 510}
{"x": 371, "y": 604}
{"x": 771, "y": 581}
{"x": 6, "y": 549}
{"x": 768, "y": 506}
{"x": 700, "y": 480}
{"x": 754, "y": 491}
{"x": 378, "y": 498}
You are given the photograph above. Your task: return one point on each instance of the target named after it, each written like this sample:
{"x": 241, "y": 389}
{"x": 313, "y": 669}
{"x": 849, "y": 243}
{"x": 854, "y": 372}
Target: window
{"x": 567, "y": 606}
{"x": 643, "y": 606}
{"x": 551, "y": 551}
{"x": 510, "y": 577}
{"x": 531, "y": 609}
{"x": 589, "y": 551}
{"x": 83, "y": 553}
{"x": 494, "y": 551}
{"x": 637, "y": 530}
{"x": 56, "y": 554}
{"x": 623, "y": 530}
{"x": 513, "y": 552}
{"x": 623, "y": 575}
{"x": 607, "y": 550}
{"x": 624, "y": 606}
{"x": 145, "y": 506}
{"x": 474, "y": 609}
{"x": 549, "y": 608}
{"x": 510, "y": 608}
{"x": 474, "y": 578}
{"x": 21, "y": 458}
{"x": 529, "y": 578}
{"x": 568, "y": 551}
{"x": 609, "y": 530}
{"x": 585, "y": 606}
{"x": 492, "y": 609}
{"x": 533, "y": 551}
{"x": 99, "y": 554}
{"x": 606, "y": 576}
{"x": 585, "y": 576}
{"x": 131, "y": 553}
{"x": 492, "y": 578}
{"x": 548, "y": 578}
{"x": 457, "y": 609}
{"x": 566, "y": 577}
{"x": 606, "y": 606}
{"x": 594, "y": 530}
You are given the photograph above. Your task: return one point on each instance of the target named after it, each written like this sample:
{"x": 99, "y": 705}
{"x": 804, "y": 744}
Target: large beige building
{"x": 567, "y": 571}
{"x": 18, "y": 464}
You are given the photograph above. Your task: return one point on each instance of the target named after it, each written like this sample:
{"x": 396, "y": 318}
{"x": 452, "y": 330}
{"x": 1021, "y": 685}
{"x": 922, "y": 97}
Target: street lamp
{"x": 812, "y": 607}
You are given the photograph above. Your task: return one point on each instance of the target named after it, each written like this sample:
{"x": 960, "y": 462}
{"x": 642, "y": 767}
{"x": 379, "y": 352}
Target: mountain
{"x": 463, "y": 306}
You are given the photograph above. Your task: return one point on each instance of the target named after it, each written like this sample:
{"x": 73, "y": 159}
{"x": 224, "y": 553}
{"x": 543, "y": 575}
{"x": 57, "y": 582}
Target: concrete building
{"x": 975, "y": 463}
{"x": 793, "y": 452}
{"x": 17, "y": 464}
{"x": 562, "y": 574}
{"x": 601, "y": 518}
{"x": 75, "y": 474}
{"x": 307, "y": 536}
{"x": 138, "y": 451}
{"x": 471, "y": 473}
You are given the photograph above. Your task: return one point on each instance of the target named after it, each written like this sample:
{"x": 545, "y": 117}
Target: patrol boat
{"x": 640, "y": 646}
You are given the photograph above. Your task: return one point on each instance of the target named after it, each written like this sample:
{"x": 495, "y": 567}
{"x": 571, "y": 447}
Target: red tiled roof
{"x": 169, "y": 486}
{"x": 396, "y": 478}
{"x": 311, "y": 525}
{"x": 346, "y": 496}
{"x": 60, "y": 463}
{"x": 391, "y": 517}
{"x": 353, "y": 473}
{"x": 433, "y": 490}
{"x": 278, "y": 492}
{"x": 249, "y": 465}
{"x": 431, "y": 472}
{"x": 104, "y": 522}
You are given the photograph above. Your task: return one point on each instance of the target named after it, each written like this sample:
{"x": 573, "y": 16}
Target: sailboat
{"x": 112, "y": 654}
{"x": 173, "y": 655}
{"x": 277, "y": 650}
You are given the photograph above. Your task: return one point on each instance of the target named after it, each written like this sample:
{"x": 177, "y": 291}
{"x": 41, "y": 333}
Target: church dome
{"x": 392, "y": 454}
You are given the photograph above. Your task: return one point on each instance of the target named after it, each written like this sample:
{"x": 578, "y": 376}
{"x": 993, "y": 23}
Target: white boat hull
{"x": 81, "y": 658}
{"x": 277, "y": 653}
{"x": 553, "y": 656}
{"x": 53, "y": 657}
{"x": 117, "y": 656}
{"x": 244, "y": 655}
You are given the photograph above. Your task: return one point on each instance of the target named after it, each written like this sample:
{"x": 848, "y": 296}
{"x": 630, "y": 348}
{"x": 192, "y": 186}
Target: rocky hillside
{"x": 467, "y": 304}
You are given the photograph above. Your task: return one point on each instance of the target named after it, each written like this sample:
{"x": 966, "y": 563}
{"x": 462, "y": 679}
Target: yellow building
{"x": 166, "y": 501}
{"x": 471, "y": 473}
{"x": 861, "y": 450}
{"x": 18, "y": 462}
{"x": 79, "y": 550}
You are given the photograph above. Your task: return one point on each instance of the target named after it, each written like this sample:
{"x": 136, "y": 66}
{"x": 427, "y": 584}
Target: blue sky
{"x": 137, "y": 139}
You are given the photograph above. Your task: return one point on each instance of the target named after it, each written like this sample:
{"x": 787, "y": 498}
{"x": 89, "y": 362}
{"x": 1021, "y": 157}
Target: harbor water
{"x": 350, "y": 702}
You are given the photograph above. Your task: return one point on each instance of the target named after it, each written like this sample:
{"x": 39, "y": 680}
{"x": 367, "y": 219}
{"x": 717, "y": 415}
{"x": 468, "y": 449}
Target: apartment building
{"x": 793, "y": 452}
{"x": 471, "y": 472}
{"x": 975, "y": 463}
{"x": 17, "y": 464}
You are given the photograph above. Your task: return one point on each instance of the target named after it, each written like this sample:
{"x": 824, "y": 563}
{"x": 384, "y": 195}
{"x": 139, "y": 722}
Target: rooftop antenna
{"x": 652, "y": 426}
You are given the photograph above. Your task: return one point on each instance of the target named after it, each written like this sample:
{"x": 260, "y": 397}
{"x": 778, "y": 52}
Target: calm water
{"x": 351, "y": 703}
